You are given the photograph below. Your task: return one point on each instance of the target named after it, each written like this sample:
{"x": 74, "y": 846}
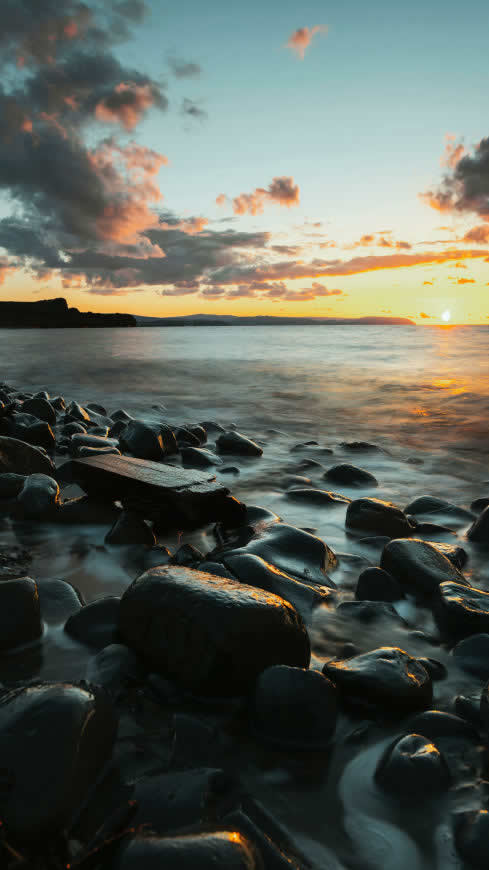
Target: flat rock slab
{"x": 178, "y": 497}
{"x": 462, "y": 610}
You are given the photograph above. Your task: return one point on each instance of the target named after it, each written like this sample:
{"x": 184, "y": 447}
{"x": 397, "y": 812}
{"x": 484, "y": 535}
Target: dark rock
{"x": 472, "y": 837}
{"x": 185, "y": 437}
{"x": 436, "y": 669}
{"x": 369, "y": 611}
{"x": 272, "y": 848}
{"x": 294, "y": 708}
{"x": 121, "y": 414}
{"x": 378, "y": 517}
{"x": 70, "y": 429}
{"x": 96, "y": 623}
{"x": 76, "y": 411}
{"x": 39, "y": 435}
{"x": 17, "y": 457}
{"x": 155, "y": 557}
{"x": 317, "y": 497}
{"x": 219, "y": 570}
{"x": 378, "y": 542}
{"x": 457, "y": 555}
{"x": 479, "y": 504}
{"x": 361, "y": 447}
{"x": 432, "y": 531}
{"x": 11, "y": 485}
{"x": 142, "y": 440}
{"x": 412, "y": 768}
{"x": 472, "y": 655}
{"x": 54, "y": 740}
{"x": 20, "y": 617}
{"x": 58, "y": 600}
{"x": 387, "y": 677}
{"x": 14, "y": 562}
{"x": 115, "y": 668}
{"x": 187, "y": 554}
{"x": 87, "y": 510}
{"x": 429, "y": 504}
{"x": 230, "y": 469}
{"x": 58, "y": 403}
{"x": 86, "y": 452}
{"x": 212, "y": 428}
{"x": 116, "y": 429}
{"x": 295, "y": 480}
{"x": 129, "y": 529}
{"x": 484, "y": 707}
{"x": 419, "y": 566}
{"x": 479, "y": 530}
{"x": 375, "y": 584}
{"x": 198, "y": 457}
{"x": 437, "y": 724}
{"x": 350, "y": 475}
{"x": 461, "y": 610}
{"x": 39, "y": 497}
{"x": 312, "y": 464}
{"x": 210, "y": 634}
{"x": 83, "y": 439}
{"x": 237, "y": 444}
{"x": 223, "y": 850}
{"x": 99, "y": 409}
{"x": 40, "y": 408}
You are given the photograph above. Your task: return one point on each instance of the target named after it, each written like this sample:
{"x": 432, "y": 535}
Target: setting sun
{"x": 446, "y": 316}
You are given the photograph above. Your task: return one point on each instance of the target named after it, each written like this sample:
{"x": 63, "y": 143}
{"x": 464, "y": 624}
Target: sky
{"x": 310, "y": 159}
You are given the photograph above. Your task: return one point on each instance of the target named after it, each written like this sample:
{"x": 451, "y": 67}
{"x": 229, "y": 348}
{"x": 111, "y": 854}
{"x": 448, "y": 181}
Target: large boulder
{"x": 429, "y": 505}
{"x": 472, "y": 837}
{"x": 413, "y": 768}
{"x": 211, "y": 634}
{"x": 237, "y": 444}
{"x": 479, "y": 530}
{"x": 377, "y": 517}
{"x": 386, "y": 677}
{"x": 96, "y": 623}
{"x": 222, "y": 850}
{"x": 40, "y": 408}
{"x": 375, "y": 584}
{"x": 350, "y": 475}
{"x": 472, "y": 655}
{"x": 461, "y": 610}
{"x": 20, "y": 617}
{"x": 130, "y": 529}
{"x": 147, "y": 441}
{"x": 54, "y": 740}
{"x": 39, "y": 497}
{"x": 419, "y": 566}
{"x": 17, "y": 457}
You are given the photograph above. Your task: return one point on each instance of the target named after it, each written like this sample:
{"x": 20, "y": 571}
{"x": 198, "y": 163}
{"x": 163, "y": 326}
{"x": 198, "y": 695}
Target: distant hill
{"x": 233, "y": 320}
{"x": 54, "y": 313}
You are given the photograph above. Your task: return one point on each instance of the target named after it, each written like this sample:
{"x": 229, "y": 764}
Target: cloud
{"x": 465, "y": 188}
{"x": 301, "y": 39}
{"x": 479, "y": 235}
{"x": 221, "y": 200}
{"x": 465, "y": 281}
{"x": 281, "y": 191}
{"x": 454, "y": 151}
{"x": 128, "y": 104}
{"x": 424, "y": 315}
{"x": 378, "y": 240}
{"x": 428, "y": 282}
{"x": 182, "y": 69}
{"x": 191, "y": 109}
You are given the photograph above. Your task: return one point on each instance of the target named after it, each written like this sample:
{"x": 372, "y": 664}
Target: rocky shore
{"x": 257, "y": 701}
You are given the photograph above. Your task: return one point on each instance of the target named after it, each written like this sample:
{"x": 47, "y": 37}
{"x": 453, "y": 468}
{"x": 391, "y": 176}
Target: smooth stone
{"x": 259, "y": 517}
{"x": 130, "y": 529}
{"x": 155, "y": 557}
{"x": 436, "y": 669}
{"x": 472, "y": 655}
{"x": 20, "y": 615}
{"x": 412, "y": 767}
{"x": 479, "y": 504}
{"x": 271, "y": 846}
{"x": 369, "y": 611}
{"x": 429, "y": 504}
{"x": 350, "y": 475}
{"x": 39, "y": 497}
{"x": 361, "y": 447}
{"x": 212, "y": 428}
{"x": 378, "y": 517}
{"x": 484, "y": 707}
{"x": 419, "y": 567}
{"x": 17, "y": 457}
{"x": 294, "y": 708}
{"x": 147, "y": 441}
{"x": 479, "y": 530}
{"x": 86, "y": 510}
{"x": 295, "y": 480}
{"x": 115, "y": 668}
{"x": 85, "y": 452}
{"x": 378, "y": 542}
{"x": 317, "y": 497}
{"x": 457, "y": 555}
{"x": 122, "y": 415}
{"x": 58, "y": 403}
{"x": 199, "y": 457}
{"x": 312, "y": 464}
{"x": 375, "y": 584}
{"x": 99, "y": 409}
{"x": 238, "y": 444}
{"x": 387, "y": 677}
{"x": 472, "y": 837}
{"x": 187, "y": 554}
{"x": 198, "y": 431}
{"x": 96, "y": 624}
{"x": 230, "y": 469}
{"x": 40, "y": 408}
{"x": 436, "y": 724}
{"x": 222, "y": 850}
{"x": 212, "y": 635}
{"x": 432, "y": 531}
{"x": 70, "y": 429}
{"x": 77, "y": 412}
{"x": 116, "y": 429}
{"x": 39, "y": 435}
{"x": 11, "y": 485}
{"x": 54, "y": 740}
{"x": 58, "y": 600}
{"x": 461, "y": 610}
{"x": 85, "y": 439}
{"x": 186, "y": 438}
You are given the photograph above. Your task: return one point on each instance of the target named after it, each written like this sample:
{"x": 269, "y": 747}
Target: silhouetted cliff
{"x": 54, "y": 313}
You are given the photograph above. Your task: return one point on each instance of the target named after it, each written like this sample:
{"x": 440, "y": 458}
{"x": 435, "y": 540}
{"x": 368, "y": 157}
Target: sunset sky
{"x": 311, "y": 159}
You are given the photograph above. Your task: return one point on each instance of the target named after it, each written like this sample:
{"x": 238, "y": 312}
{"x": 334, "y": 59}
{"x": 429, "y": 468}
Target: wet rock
{"x": 484, "y": 707}
{"x": 479, "y": 530}
{"x": 212, "y": 428}
{"x": 270, "y": 844}
{"x": 432, "y": 531}
{"x": 472, "y": 655}
{"x": 14, "y": 562}
{"x": 312, "y": 464}
{"x": 58, "y": 403}
{"x": 361, "y": 447}
{"x": 87, "y": 510}
{"x": 70, "y": 429}
{"x": 76, "y": 411}
{"x": 369, "y": 611}
{"x": 419, "y": 566}
{"x": 39, "y": 497}
{"x": 412, "y": 768}
{"x": 436, "y": 669}
{"x": 17, "y": 457}
{"x": 187, "y": 554}
{"x": 142, "y": 440}
{"x": 295, "y": 481}
{"x": 457, "y": 555}
{"x": 294, "y": 708}
{"x": 185, "y": 437}
{"x": 86, "y": 452}
{"x": 83, "y": 439}
{"x": 155, "y": 557}
{"x": 430, "y": 505}
{"x": 350, "y": 475}
{"x": 96, "y": 623}
{"x": 11, "y": 485}
{"x": 210, "y": 634}
{"x": 317, "y": 497}
{"x": 461, "y": 610}
{"x": 375, "y": 584}
{"x": 58, "y": 600}
{"x": 39, "y": 435}
{"x": 40, "y": 408}
{"x": 130, "y": 529}
{"x": 386, "y": 677}
{"x": 99, "y": 409}
{"x": 20, "y": 617}
{"x": 479, "y": 504}
{"x": 472, "y": 837}
{"x": 123, "y": 415}
{"x": 223, "y": 850}
{"x": 378, "y": 517}
{"x": 198, "y": 457}
{"x": 230, "y": 469}
{"x": 115, "y": 668}
{"x": 198, "y": 431}
{"x": 51, "y": 764}
{"x": 237, "y": 444}
{"x": 437, "y": 724}
{"x": 116, "y": 429}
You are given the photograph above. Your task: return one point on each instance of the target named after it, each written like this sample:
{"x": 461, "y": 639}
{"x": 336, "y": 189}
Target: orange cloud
{"x": 479, "y": 235}
{"x": 465, "y": 281}
{"x": 126, "y": 105}
{"x": 424, "y": 315}
{"x": 302, "y": 38}
{"x": 378, "y": 240}
{"x": 454, "y": 151}
{"x": 281, "y": 191}
{"x": 221, "y": 199}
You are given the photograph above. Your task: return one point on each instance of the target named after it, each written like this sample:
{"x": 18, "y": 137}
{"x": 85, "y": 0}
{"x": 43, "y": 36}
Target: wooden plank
{"x": 173, "y": 496}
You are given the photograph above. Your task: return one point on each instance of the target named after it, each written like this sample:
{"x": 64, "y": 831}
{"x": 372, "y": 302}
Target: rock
{"x": 155, "y": 557}
{"x": 479, "y": 530}
{"x": 387, "y": 677}
{"x": 461, "y": 610}
{"x": 274, "y": 851}
{"x": 212, "y": 635}
{"x": 129, "y": 529}
{"x": 87, "y": 510}
{"x": 230, "y": 469}
{"x": 412, "y": 768}
{"x": 54, "y": 740}
{"x": 369, "y": 611}
{"x": 40, "y": 435}
{"x": 86, "y": 452}
{"x": 419, "y": 566}
{"x": 316, "y": 497}
{"x": 115, "y": 667}
{"x": 361, "y": 447}
{"x": 58, "y": 600}
{"x": 378, "y": 517}
{"x": 457, "y": 555}
{"x": 58, "y": 403}
{"x": 83, "y": 439}
{"x": 70, "y": 429}
{"x": 295, "y": 481}
{"x": 39, "y": 497}
{"x": 472, "y": 837}
{"x": 198, "y": 457}
{"x": 76, "y": 411}
{"x": 436, "y": 669}
{"x": 11, "y": 485}
{"x": 222, "y": 850}
{"x": 14, "y": 562}
{"x": 40, "y": 408}
{"x": 142, "y": 440}
{"x": 17, "y": 457}
{"x": 20, "y": 617}
{"x": 437, "y": 724}
{"x": 116, "y": 429}
{"x": 430, "y": 505}
{"x": 121, "y": 414}
{"x": 96, "y": 623}
{"x": 237, "y": 444}
{"x": 472, "y": 655}
{"x": 312, "y": 464}
{"x": 479, "y": 504}
{"x": 99, "y": 409}
{"x": 187, "y": 554}
{"x": 375, "y": 584}
{"x": 350, "y": 475}
{"x": 294, "y": 708}
{"x": 484, "y": 707}
{"x": 185, "y": 437}
{"x": 212, "y": 428}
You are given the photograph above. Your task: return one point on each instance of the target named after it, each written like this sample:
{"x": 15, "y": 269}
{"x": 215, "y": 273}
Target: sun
{"x": 446, "y": 315}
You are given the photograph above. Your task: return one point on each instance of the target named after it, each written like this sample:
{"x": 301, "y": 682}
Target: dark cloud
{"x": 135, "y": 10}
{"x": 183, "y": 69}
{"x": 191, "y": 109}
{"x": 465, "y": 188}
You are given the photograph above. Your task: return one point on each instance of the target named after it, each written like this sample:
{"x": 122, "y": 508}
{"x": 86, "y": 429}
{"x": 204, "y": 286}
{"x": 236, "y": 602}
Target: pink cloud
{"x": 281, "y": 191}
{"x": 454, "y": 151}
{"x": 127, "y": 104}
{"x": 301, "y": 39}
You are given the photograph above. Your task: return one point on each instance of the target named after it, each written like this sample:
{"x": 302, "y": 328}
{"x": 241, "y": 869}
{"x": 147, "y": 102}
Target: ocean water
{"x": 420, "y": 394}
